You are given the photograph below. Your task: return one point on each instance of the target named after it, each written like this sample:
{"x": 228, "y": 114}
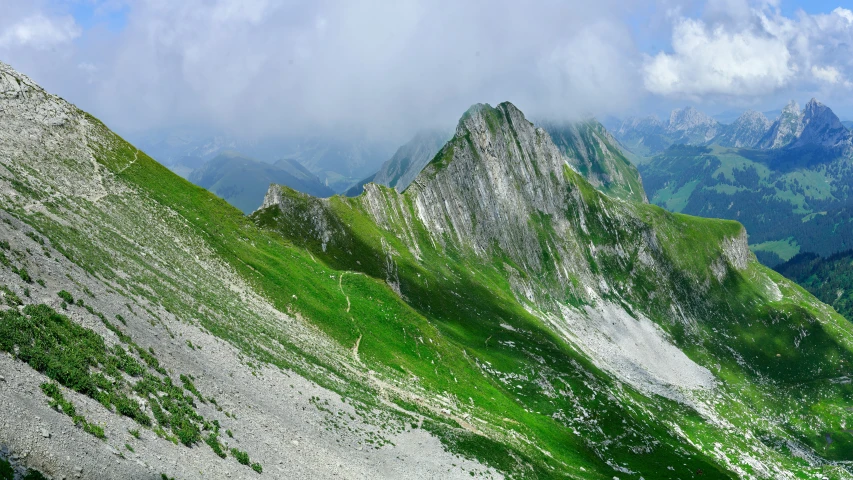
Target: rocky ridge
{"x": 745, "y": 132}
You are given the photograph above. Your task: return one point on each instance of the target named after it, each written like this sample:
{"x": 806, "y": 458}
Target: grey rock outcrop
{"x": 691, "y": 125}
{"x": 786, "y": 129}
{"x": 822, "y": 127}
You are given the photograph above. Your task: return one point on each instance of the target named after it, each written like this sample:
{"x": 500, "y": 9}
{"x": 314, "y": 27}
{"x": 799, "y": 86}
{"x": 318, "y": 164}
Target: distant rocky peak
{"x": 683, "y": 119}
{"x": 792, "y": 108}
{"x": 786, "y": 129}
{"x": 749, "y": 128}
{"x": 753, "y": 118}
{"x": 815, "y": 109}
{"x": 822, "y": 127}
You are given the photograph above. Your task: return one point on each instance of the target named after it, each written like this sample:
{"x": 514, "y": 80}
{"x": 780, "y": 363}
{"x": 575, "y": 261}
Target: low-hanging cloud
{"x": 268, "y": 67}
{"x": 385, "y": 69}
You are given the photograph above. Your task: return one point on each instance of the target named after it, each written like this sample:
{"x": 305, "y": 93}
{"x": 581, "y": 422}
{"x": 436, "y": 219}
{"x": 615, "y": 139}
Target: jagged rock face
{"x": 745, "y": 132}
{"x": 484, "y": 185}
{"x": 822, "y": 127}
{"x": 500, "y": 175}
{"x": 692, "y": 123}
{"x": 593, "y": 152}
{"x": 785, "y": 129}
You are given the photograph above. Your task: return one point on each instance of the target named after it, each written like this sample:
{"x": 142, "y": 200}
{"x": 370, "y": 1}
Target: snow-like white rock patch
{"x": 635, "y": 350}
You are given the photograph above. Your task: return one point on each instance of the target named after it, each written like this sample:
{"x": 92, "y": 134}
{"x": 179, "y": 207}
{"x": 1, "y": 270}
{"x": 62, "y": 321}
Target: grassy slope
{"x": 619, "y": 177}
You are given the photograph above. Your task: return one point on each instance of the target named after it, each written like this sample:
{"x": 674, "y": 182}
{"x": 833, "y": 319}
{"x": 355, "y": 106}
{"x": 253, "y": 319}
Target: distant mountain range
{"x": 788, "y": 181}
{"x": 338, "y": 161}
{"x": 243, "y": 181}
{"x": 816, "y": 124}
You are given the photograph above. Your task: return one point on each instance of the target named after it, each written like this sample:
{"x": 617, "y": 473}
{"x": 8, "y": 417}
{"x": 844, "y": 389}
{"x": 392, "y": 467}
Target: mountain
{"x": 243, "y": 181}
{"x": 643, "y": 136}
{"x": 816, "y": 125}
{"x": 688, "y": 125}
{"x": 828, "y": 278}
{"x": 790, "y": 189}
{"x": 822, "y": 127}
{"x": 746, "y": 131}
{"x": 499, "y": 238}
{"x": 338, "y": 159}
{"x": 499, "y": 318}
{"x": 786, "y": 129}
{"x": 649, "y": 136}
{"x": 595, "y": 154}
{"x": 407, "y": 162}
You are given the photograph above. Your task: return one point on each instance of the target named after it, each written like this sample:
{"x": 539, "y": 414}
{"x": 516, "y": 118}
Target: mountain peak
{"x": 786, "y": 129}
{"x": 688, "y": 118}
{"x": 822, "y": 127}
{"x": 745, "y": 132}
{"x": 484, "y": 115}
{"x": 792, "y": 108}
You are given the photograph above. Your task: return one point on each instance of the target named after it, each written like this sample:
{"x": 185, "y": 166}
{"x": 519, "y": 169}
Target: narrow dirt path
{"x": 135, "y": 157}
{"x": 341, "y": 286}
{"x": 355, "y": 349}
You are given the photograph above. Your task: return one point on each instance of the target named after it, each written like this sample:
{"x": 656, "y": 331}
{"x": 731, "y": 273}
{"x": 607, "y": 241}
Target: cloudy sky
{"x": 387, "y": 68}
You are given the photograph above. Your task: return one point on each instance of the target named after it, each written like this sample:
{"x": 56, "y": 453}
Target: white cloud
{"x": 710, "y": 60}
{"x": 386, "y": 67}
{"x": 751, "y": 49}
{"x": 40, "y": 32}
{"x": 827, "y": 74}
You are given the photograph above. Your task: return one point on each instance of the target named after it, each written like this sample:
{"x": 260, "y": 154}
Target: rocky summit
{"x": 745, "y": 132}
{"x": 510, "y": 314}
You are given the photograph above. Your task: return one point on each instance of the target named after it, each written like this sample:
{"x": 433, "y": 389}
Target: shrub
{"x": 25, "y": 276}
{"x": 257, "y": 467}
{"x": 213, "y": 442}
{"x": 6, "y": 471}
{"x": 241, "y": 457}
{"x": 96, "y": 430}
{"x": 66, "y": 297}
{"x": 33, "y": 475}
